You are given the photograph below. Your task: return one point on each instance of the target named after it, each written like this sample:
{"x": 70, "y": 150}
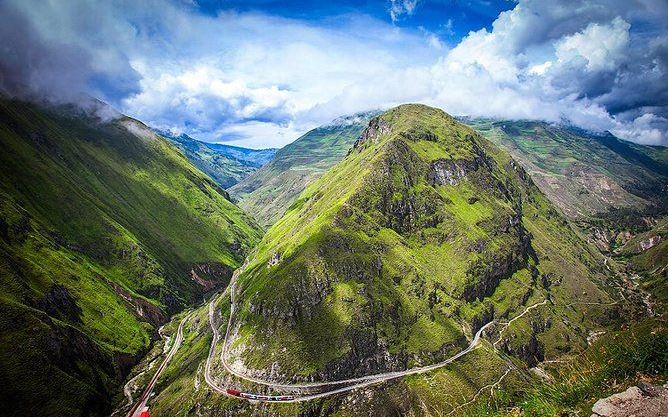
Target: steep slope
{"x": 647, "y": 255}
{"x": 267, "y": 193}
{"x": 105, "y": 229}
{"x": 227, "y": 165}
{"x": 393, "y": 258}
{"x": 605, "y": 184}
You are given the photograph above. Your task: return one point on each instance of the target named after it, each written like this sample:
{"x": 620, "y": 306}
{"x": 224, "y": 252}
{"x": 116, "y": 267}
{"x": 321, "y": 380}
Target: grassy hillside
{"x": 105, "y": 229}
{"x": 267, "y": 193}
{"x": 398, "y": 254}
{"x": 227, "y": 165}
{"x": 395, "y": 256}
{"x": 599, "y": 181}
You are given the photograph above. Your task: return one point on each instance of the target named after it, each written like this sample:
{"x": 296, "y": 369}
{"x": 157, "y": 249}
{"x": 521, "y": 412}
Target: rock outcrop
{"x": 644, "y": 400}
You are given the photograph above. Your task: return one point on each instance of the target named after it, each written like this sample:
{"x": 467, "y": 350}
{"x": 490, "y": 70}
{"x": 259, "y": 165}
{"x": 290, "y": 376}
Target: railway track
{"x": 143, "y": 399}
{"x": 349, "y": 384}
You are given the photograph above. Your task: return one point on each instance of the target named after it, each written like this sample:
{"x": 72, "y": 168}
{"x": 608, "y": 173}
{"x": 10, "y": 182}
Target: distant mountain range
{"x": 605, "y": 184}
{"x": 257, "y": 157}
{"x": 226, "y": 164}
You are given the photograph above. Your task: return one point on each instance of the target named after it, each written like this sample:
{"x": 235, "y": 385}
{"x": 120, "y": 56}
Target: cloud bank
{"x": 260, "y": 80}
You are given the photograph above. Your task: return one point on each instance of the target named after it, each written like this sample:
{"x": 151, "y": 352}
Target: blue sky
{"x": 260, "y": 73}
{"x": 449, "y": 19}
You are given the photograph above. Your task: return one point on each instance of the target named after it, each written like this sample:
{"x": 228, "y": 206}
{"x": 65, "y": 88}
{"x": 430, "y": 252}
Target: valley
{"x": 377, "y": 208}
{"x": 496, "y": 335}
{"x": 270, "y": 191}
{"x": 225, "y": 164}
{"x": 411, "y": 251}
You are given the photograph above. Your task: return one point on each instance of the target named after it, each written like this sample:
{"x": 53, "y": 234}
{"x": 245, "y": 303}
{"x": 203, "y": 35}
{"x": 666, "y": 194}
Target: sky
{"x": 259, "y": 73}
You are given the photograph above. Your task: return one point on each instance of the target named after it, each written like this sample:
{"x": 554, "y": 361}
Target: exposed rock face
{"x": 210, "y": 274}
{"x": 373, "y": 132}
{"x": 141, "y": 307}
{"x": 275, "y": 259}
{"x": 650, "y": 242}
{"x": 643, "y": 400}
{"x": 442, "y": 172}
{"x": 59, "y": 303}
{"x": 484, "y": 275}
{"x": 532, "y": 351}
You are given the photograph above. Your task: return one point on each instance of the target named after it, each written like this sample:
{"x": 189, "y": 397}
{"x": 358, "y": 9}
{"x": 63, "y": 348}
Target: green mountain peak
{"x": 392, "y": 259}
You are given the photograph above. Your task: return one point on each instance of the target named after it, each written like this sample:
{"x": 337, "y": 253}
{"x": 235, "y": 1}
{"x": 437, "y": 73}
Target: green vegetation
{"x": 604, "y": 183}
{"x": 647, "y": 254}
{"x": 269, "y": 192}
{"x": 103, "y": 227}
{"x": 422, "y": 234}
{"x": 612, "y": 363}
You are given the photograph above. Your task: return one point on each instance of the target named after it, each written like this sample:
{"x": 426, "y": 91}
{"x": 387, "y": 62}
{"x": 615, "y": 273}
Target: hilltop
{"x": 393, "y": 259}
{"x": 422, "y": 233}
{"x": 267, "y": 193}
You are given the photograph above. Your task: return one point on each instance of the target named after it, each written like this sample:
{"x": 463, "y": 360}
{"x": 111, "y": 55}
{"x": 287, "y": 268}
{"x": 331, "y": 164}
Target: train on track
{"x": 259, "y": 397}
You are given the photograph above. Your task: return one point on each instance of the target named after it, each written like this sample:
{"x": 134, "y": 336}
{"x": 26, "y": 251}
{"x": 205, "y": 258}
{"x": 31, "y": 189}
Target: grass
{"x": 424, "y": 258}
{"x": 609, "y": 365}
{"x": 99, "y": 228}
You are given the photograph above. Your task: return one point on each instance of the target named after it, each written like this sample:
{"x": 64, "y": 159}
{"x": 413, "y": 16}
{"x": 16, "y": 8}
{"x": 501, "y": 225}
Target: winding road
{"x": 141, "y": 402}
{"x": 341, "y": 386}
{"x": 350, "y": 384}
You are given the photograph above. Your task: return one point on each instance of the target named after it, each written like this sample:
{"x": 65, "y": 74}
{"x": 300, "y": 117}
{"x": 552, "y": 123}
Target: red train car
{"x": 145, "y": 413}
{"x": 234, "y": 392}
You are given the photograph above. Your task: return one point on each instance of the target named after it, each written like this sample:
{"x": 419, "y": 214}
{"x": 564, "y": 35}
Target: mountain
{"x": 105, "y": 230}
{"x": 616, "y": 191}
{"x": 421, "y": 234}
{"x": 257, "y": 157}
{"x": 394, "y": 259}
{"x": 605, "y": 184}
{"x": 267, "y": 193}
{"x": 225, "y": 164}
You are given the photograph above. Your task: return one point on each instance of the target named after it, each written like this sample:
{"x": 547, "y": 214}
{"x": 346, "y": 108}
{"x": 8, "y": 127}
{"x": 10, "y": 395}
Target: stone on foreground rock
{"x": 642, "y": 401}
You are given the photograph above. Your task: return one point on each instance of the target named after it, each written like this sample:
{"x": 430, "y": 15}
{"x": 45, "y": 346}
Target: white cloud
{"x": 600, "y": 45}
{"x": 255, "y": 134}
{"x": 540, "y": 69}
{"x": 399, "y": 8}
{"x": 648, "y": 129}
{"x": 262, "y": 81}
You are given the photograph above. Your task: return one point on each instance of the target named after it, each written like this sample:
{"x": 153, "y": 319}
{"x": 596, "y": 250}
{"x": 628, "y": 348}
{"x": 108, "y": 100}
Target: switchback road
{"x": 350, "y": 384}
